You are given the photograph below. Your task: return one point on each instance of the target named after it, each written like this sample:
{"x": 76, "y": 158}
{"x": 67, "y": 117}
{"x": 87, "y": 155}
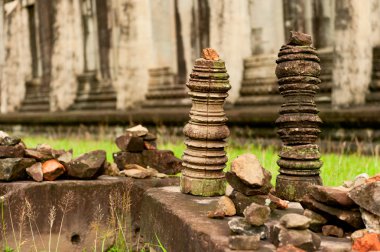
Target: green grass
{"x": 336, "y": 169}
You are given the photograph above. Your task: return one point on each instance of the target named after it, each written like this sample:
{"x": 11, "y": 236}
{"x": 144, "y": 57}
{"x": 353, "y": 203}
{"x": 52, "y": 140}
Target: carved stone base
{"x": 293, "y": 188}
{"x": 36, "y": 97}
{"x": 164, "y": 91}
{"x": 94, "y": 94}
{"x": 203, "y": 187}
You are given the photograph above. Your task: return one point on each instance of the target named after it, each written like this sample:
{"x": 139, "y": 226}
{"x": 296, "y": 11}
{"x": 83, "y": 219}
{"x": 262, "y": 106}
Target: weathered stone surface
{"x": 16, "y": 151}
{"x": 256, "y": 214}
{"x": 343, "y": 216}
{"x": 367, "y": 196}
{"x": 138, "y": 130}
{"x": 331, "y": 230}
{"x": 244, "y": 242}
{"x": 371, "y": 221}
{"x": 52, "y": 169}
{"x": 162, "y": 160}
{"x": 14, "y": 168}
{"x": 298, "y": 124}
{"x": 210, "y": 54}
{"x": 277, "y": 202}
{"x": 39, "y": 155}
{"x": 226, "y": 205}
{"x": 289, "y": 248}
{"x": 150, "y": 137}
{"x": 130, "y": 143}
{"x": 242, "y": 187}
{"x": 295, "y": 221}
{"x": 111, "y": 169}
{"x": 239, "y": 225}
{"x": 136, "y": 173}
{"x": 316, "y": 220}
{"x": 87, "y": 165}
{"x": 65, "y": 157}
{"x": 303, "y": 239}
{"x": 9, "y": 141}
{"x": 248, "y": 168}
{"x": 35, "y": 172}
{"x": 216, "y": 214}
{"x": 204, "y": 158}
{"x": 369, "y": 242}
{"x": 332, "y": 196}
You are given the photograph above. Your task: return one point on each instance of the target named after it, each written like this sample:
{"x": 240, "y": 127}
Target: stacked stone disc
{"x": 204, "y": 158}
{"x": 297, "y": 71}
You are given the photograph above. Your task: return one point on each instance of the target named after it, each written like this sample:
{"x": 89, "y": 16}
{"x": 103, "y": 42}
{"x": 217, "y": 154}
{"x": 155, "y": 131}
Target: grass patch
{"x": 336, "y": 169}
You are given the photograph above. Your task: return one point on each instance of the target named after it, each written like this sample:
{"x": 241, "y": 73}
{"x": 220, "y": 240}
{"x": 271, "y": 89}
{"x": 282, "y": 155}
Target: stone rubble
{"x": 244, "y": 242}
{"x": 138, "y": 146}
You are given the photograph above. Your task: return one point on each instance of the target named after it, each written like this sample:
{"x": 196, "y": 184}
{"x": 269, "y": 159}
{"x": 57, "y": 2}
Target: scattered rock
{"x": 8, "y": 151}
{"x": 373, "y": 179}
{"x": 289, "y": 248}
{"x": 248, "y": 168}
{"x": 360, "y": 180}
{"x": 210, "y": 54}
{"x": 371, "y": 221}
{"x": 87, "y": 165}
{"x": 149, "y": 146}
{"x": 303, "y": 239}
{"x": 242, "y": 201}
{"x": 244, "y": 242}
{"x": 3, "y": 134}
{"x": 316, "y": 220}
{"x": 256, "y": 214}
{"x": 65, "y": 157}
{"x": 229, "y": 190}
{"x": 351, "y": 217}
{"x": 226, "y": 205}
{"x": 111, "y": 169}
{"x": 240, "y": 186}
{"x": 217, "y": 214}
{"x": 295, "y": 221}
{"x": 9, "y": 141}
{"x": 138, "y": 130}
{"x": 299, "y": 38}
{"x": 239, "y": 226}
{"x": 136, "y": 172}
{"x": 367, "y": 196}
{"x": 52, "y": 169}
{"x": 35, "y": 172}
{"x": 277, "y": 202}
{"x": 14, "y": 168}
{"x": 369, "y": 242}
{"x": 130, "y": 143}
{"x": 40, "y": 155}
{"x": 331, "y": 230}
{"x": 359, "y": 234}
{"x": 332, "y": 196}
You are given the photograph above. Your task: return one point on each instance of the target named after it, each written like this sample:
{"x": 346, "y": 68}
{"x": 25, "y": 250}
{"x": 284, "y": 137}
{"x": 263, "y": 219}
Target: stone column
{"x": 259, "y": 85}
{"x": 298, "y": 124}
{"x": 204, "y": 158}
{"x": 353, "y": 52}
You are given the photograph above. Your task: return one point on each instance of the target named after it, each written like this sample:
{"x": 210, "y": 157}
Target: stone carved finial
{"x": 204, "y": 158}
{"x": 297, "y": 71}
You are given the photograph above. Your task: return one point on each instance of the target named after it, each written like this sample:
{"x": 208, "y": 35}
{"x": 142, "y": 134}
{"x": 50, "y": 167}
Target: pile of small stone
{"x": 139, "y": 157}
{"x": 17, "y": 162}
{"x": 355, "y": 206}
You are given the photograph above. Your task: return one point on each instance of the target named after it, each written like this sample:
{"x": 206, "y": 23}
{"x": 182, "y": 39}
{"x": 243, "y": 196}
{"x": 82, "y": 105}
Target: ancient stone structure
{"x": 374, "y": 94}
{"x": 298, "y": 124}
{"x": 204, "y": 158}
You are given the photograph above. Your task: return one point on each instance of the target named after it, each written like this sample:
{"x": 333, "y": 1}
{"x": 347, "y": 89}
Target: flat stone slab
{"x": 90, "y": 200}
{"x": 181, "y": 224}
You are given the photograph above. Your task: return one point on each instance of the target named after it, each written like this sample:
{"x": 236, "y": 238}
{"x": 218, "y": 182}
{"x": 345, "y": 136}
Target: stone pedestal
{"x": 36, "y": 97}
{"x": 259, "y": 85}
{"x": 94, "y": 94}
{"x": 374, "y": 89}
{"x": 164, "y": 91}
{"x": 298, "y": 124}
{"x": 204, "y": 158}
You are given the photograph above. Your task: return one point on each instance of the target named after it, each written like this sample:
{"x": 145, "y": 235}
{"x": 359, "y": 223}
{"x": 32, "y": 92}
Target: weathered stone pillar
{"x": 353, "y": 52}
{"x": 267, "y": 34}
{"x": 204, "y": 158}
{"x": 298, "y": 124}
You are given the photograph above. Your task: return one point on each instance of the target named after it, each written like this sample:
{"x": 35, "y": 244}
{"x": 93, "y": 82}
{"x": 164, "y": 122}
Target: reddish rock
{"x": 367, "y": 196}
{"x": 35, "y": 172}
{"x": 332, "y": 196}
{"x": 52, "y": 169}
{"x": 346, "y": 217}
{"x": 210, "y": 54}
{"x": 16, "y": 151}
{"x": 373, "y": 179}
{"x": 331, "y": 230}
{"x": 277, "y": 202}
{"x": 369, "y": 242}
{"x": 248, "y": 190}
{"x": 289, "y": 248}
